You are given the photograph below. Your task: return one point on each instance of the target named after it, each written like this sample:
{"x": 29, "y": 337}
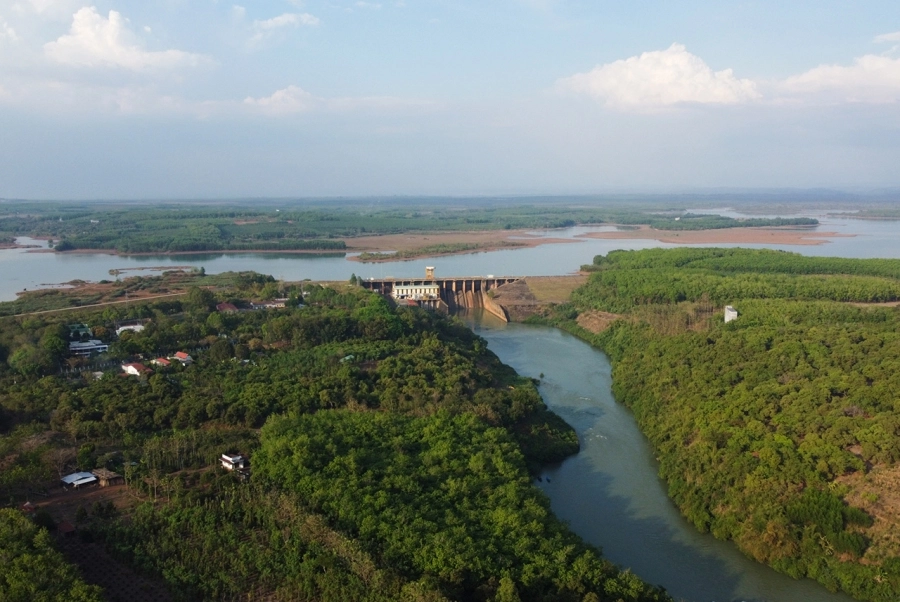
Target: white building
{"x": 232, "y": 461}
{"x": 730, "y": 314}
{"x": 132, "y": 328}
{"x": 136, "y": 369}
{"x": 77, "y": 479}
{"x": 87, "y": 348}
{"x": 418, "y": 291}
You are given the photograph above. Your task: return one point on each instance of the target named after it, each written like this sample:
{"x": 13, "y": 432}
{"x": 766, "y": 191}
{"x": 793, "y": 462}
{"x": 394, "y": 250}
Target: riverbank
{"x": 735, "y": 236}
{"x": 405, "y": 244}
{"x": 410, "y": 246}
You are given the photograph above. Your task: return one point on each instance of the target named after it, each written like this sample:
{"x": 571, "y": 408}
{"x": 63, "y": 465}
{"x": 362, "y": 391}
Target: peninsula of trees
{"x": 779, "y": 430}
{"x": 324, "y": 226}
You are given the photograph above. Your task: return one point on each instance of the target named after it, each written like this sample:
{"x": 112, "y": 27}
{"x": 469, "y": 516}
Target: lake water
{"x": 21, "y": 269}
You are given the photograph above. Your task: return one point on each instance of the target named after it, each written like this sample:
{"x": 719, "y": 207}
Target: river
{"x": 610, "y": 493}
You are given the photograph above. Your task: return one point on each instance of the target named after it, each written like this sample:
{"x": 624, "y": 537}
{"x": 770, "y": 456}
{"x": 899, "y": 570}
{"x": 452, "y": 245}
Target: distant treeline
{"x": 771, "y": 430}
{"x": 195, "y": 227}
{"x": 694, "y": 221}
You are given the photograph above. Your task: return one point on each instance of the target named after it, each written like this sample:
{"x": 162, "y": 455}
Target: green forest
{"x": 33, "y": 569}
{"x": 309, "y": 225}
{"x": 391, "y": 453}
{"x": 779, "y": 430}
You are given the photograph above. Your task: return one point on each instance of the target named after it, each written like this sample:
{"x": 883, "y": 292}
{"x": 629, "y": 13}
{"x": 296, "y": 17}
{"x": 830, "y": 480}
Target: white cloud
{"x": 7, "y": 32}
{"x": 871, "y": 79}
{"x": 42, "y": 6}
{"x": 379, "y": 103}
{"x": 660, "y": 78}
{"x": 292, "y": 99}
{"x": 96, "y": 41}
{"x": 887, "y": 38}
{"x": 55, "y": 9}
{"x": 287, "y": 19}
{"x": 266, "y": 28}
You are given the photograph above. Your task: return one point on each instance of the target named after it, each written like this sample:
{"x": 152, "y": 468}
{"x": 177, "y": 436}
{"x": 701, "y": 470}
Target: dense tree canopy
{"x": 394, "y": 460}
{"x": 765, "y": 425}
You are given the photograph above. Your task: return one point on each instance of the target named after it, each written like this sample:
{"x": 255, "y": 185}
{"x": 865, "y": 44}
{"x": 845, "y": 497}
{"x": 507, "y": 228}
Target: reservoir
{"x": 609, "y": 492}
{"x": 21, "y": 269}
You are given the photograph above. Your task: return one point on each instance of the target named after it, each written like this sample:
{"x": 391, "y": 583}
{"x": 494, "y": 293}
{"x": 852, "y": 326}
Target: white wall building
{"x": 418, "y": 291}
{"x": 232, "y": 461}
{"x": 88, "y": 347}
{"x": 730, "y": 314}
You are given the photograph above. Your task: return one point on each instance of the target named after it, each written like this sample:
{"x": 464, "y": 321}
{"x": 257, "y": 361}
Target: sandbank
{"x": 748, "y": 236}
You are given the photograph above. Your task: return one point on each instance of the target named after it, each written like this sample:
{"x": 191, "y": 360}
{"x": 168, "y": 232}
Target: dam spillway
{"x": 443, "y": 294}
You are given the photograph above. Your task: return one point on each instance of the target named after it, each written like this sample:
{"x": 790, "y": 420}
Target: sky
{"x": 169, "y": 99}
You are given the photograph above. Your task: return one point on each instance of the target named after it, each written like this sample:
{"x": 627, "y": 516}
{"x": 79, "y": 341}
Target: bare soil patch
{"x": 596, "y": 321}
{"x": 878, "y": 493}
{"x": 487, "y": 239}
{"x": 554, "y": 289}
{"x": 62, "y": 504}
{"x": 119, "y": 581}
{"x": 781, "y": 236}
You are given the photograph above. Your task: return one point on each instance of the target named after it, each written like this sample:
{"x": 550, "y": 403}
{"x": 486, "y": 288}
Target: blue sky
{"x": 211, "y": 99}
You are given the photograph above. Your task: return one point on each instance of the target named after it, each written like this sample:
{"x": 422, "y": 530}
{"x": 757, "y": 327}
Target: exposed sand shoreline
{"x": 781, "y": 236}
{"x": 493, "y": 240}
{"x": 489, "y": 240}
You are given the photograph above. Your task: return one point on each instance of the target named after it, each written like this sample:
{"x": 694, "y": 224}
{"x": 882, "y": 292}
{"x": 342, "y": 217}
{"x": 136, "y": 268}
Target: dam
{"x": 443, "y": 294}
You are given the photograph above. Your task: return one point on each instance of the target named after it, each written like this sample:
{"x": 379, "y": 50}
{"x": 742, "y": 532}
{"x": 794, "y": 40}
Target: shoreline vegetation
{"x": 337, "y": 227}
{"x": 779, "y": 430}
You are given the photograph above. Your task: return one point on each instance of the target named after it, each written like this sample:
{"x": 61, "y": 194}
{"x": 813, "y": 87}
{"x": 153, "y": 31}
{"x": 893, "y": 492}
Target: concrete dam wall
{"x": 453, "y": 293}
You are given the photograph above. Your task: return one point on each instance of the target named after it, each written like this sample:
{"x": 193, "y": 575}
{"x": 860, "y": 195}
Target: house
{"x": 130, "y": 327}
{"x": 78, "y": 479}
{"x": 182, "y": 357}
{"x": 87, "y": 348}
{"x": 136, "y": 369}
{"x": 108, "y": 477}
{"x": 77, "y": 331}
{"x": 161, "y": 361}
{"x": 730, "y": 314}
{"x": 273, "y": 304}
{"x": 227, "y": 308}
{"x": 233, "y": 461}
